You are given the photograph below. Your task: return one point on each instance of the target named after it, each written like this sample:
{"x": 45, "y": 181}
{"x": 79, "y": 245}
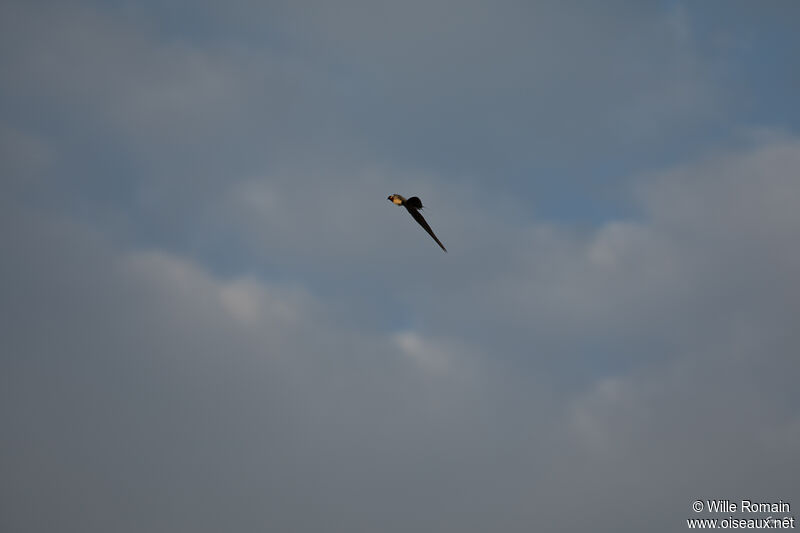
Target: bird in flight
{"x": 413, "y": 205}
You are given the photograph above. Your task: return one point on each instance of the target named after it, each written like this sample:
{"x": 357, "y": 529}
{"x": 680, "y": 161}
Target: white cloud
{"x": 245, "y": 300}
{"x": 241, "y": 299}
{"x": 435, "y": 358}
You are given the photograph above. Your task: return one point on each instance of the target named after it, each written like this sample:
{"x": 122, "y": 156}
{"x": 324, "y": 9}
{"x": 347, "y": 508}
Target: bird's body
{"x": 413, "y": 205}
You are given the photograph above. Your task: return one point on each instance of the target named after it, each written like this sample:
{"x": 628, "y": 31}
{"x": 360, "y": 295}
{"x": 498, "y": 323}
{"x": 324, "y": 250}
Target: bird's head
{"x": 396, "y": 199}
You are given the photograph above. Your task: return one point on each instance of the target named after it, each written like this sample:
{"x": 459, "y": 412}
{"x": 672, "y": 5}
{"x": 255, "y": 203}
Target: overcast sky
{"x": 211, "y": 318}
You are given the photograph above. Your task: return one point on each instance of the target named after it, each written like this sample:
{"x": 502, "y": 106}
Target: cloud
{"x": 699, "y": 420}
{"x": 627, "y": 356}
{"x": 505, "y": 92}
{"x": 136, "y": 375}
{"x": 212, "y": 318}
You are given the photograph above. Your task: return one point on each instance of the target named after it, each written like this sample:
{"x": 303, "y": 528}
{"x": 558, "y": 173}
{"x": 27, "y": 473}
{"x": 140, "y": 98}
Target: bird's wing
{"x": 421, "y": 221}
{"x": 414, "y": 202}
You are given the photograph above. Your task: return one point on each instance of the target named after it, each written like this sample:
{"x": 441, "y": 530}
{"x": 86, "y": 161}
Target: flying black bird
{"x": 413, "y": 205}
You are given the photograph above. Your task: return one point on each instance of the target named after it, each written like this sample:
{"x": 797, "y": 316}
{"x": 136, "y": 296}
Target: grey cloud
{"x": 145, "y": 392}
{"x": 503, "y": 92}
{"x": 142, "y": 392}
{"x": 696, "y": 304}
{"x": 212, "y": 318}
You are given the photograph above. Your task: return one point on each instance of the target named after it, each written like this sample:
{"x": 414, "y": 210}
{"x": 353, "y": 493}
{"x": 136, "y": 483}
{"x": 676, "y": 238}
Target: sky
{"x": 213, "y": 319}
